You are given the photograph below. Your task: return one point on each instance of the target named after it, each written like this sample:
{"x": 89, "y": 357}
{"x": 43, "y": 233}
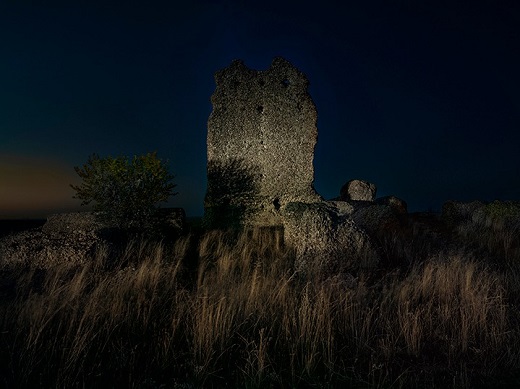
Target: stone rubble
{"x": 68, "y": 239}
{"x": 260, "y": 146}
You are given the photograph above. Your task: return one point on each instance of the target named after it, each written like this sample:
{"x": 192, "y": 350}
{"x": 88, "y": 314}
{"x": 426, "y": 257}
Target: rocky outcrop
{"x": 65, "y": 239}
{"x": 37, "y": 249}
{"x": 73, "y": 238}
{"x": 358, "y": 190}
{"x": 325, "y": 240}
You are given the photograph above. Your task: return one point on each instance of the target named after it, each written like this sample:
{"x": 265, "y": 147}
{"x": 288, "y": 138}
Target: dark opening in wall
{"x": 276, "y": 204}
{"x": 260, "y": 109}
{"x": 286, "y": 82}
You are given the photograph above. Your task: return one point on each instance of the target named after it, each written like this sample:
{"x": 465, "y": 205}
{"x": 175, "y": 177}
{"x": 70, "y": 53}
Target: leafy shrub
{"x": 503, "y": 209}
{"x": 125, "y": 191}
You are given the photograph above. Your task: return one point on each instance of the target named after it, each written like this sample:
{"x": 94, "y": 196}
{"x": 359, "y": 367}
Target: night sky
{"x": 421, "y": 98}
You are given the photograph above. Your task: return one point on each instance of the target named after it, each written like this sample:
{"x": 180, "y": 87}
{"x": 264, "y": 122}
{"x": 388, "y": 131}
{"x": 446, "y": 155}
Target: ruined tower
{"x": 261, "y": 138}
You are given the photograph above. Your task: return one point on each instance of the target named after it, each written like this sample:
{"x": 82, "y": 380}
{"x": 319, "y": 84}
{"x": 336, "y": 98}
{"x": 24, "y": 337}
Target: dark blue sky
{"x": 420, "y": 97}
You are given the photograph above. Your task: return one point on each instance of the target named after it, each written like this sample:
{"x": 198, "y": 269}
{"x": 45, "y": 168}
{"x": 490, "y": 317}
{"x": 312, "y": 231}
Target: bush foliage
{"x": 125, "y": 191}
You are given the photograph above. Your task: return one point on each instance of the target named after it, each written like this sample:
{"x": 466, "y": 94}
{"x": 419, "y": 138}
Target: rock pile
{"x": 70, "y": 238}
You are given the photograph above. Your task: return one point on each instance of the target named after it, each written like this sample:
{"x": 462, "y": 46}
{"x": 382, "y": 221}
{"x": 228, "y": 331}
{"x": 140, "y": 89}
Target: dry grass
{"x": 223, "y": 310}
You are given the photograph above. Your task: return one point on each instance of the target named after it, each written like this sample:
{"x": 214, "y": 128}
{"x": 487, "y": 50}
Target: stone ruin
{"x": 71, "y": 239}
{"x": 261, "y": 139}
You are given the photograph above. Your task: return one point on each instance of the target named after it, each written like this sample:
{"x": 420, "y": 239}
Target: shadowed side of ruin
{"x": 262, "y": 130}
{"x": 233, "y": 194}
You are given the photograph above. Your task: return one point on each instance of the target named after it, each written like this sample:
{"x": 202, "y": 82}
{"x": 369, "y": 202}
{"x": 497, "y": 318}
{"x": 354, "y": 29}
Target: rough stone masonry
{"x": 261, "y": 138}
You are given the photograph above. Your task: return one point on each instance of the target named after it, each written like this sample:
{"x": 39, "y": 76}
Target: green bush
{"x": 503, "y": 209}
{"x": 125, "y": 191}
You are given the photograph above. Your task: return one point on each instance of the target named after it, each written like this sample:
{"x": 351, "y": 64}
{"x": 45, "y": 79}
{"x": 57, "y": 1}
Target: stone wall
{"x": 261, "y": 138}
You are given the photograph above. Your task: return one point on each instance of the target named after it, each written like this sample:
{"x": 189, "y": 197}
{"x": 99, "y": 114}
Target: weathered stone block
{"x": 325, "y": 240}
{"x": 358, "y": 190}
{"x": 261, "y": 138}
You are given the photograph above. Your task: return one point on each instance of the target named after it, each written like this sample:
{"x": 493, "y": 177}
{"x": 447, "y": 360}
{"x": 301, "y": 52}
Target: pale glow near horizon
{"x": 32, "y": 187}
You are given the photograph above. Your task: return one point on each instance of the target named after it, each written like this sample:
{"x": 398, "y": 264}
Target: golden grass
{"x": 224, "y": 309}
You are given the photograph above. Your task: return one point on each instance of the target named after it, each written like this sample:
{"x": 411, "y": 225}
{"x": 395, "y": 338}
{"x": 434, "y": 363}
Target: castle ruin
{"x": 261, "y": 138}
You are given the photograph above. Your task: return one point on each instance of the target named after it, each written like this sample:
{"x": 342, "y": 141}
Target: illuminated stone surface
{"x": 261, "y": 138}
{"x": 358, "y": 190}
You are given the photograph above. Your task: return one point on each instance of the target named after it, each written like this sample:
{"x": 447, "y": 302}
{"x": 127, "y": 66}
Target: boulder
{"x": 325, "y": 240}
{"x": 358, "y": 190}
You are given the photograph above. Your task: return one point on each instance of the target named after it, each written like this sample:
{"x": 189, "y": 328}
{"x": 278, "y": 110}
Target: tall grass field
{"x": 217, "y": 309}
